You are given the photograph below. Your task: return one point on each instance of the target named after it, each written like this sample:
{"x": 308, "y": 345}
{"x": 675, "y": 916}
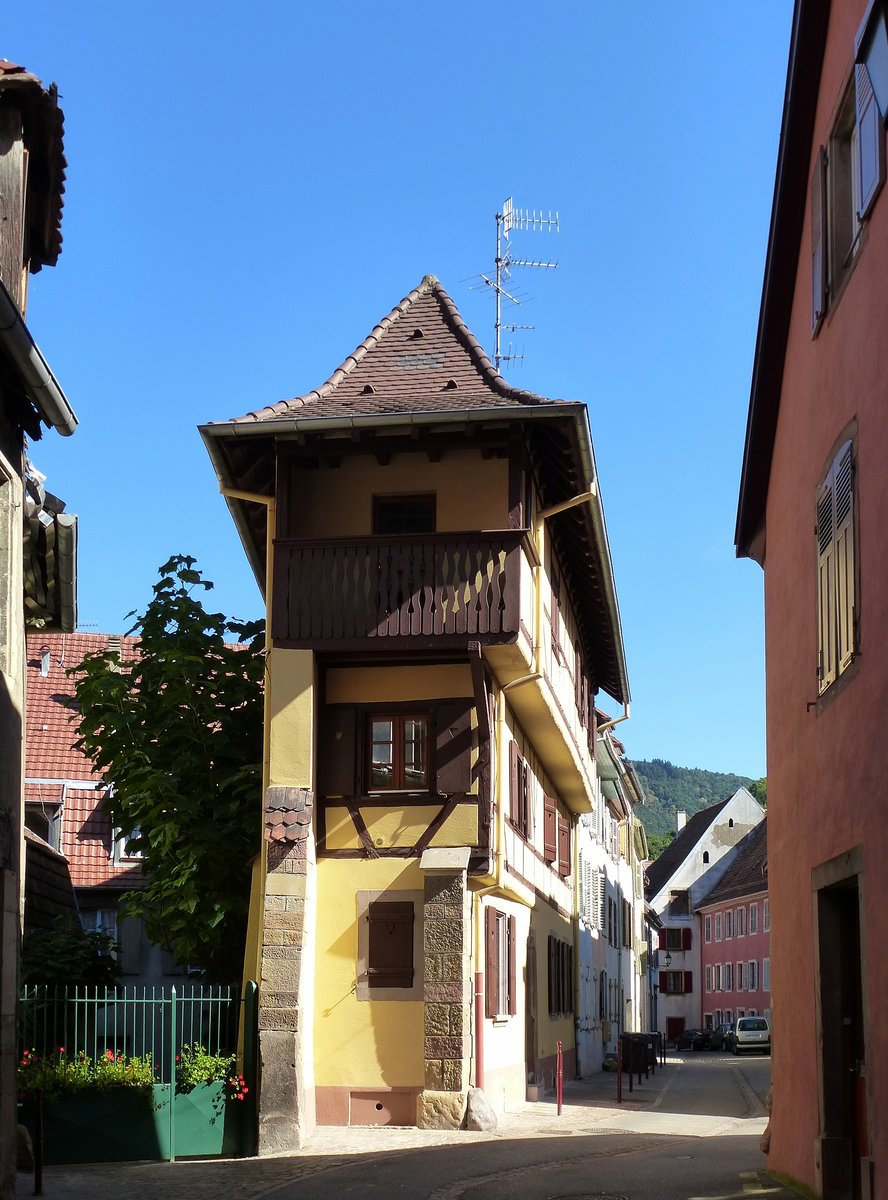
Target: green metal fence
{"x": 135, "y": 1022}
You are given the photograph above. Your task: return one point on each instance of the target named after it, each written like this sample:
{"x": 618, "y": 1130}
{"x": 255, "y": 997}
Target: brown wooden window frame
{"x": 560, "y": 977}
{"x": 500, "y": 1001}
{"x": 399, "y": 720}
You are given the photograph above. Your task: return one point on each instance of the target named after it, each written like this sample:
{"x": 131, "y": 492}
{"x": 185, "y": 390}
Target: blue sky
{"x": 248, "y": 195}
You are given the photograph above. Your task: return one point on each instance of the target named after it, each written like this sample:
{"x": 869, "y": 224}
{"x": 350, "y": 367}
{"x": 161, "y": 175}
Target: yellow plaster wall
{"x": 384, "y": 685}
{"x": 550, "y": 1030}
{"x": 393, "y": 827}
{"x": 291, "y": 716}
{"x": 360, "y": 1043}
{"x": 472, "y": 492}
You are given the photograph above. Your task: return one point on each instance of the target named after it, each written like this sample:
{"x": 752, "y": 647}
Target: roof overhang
{"x": 807, "y": 43}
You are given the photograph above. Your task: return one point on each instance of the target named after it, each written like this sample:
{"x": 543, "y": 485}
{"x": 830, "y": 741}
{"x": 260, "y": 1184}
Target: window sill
{"x": 497, "y": 1021}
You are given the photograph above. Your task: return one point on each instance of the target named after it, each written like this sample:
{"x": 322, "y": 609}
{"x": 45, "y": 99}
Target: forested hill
{"x": 670, "y": 789}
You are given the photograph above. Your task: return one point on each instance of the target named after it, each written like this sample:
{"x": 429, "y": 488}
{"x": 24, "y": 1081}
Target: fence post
{"x": 559, "y": 1068}
{"x": 619, "y": 1071}
{"x": 173, "y": 1040}
{"x": 249, "y": 1136}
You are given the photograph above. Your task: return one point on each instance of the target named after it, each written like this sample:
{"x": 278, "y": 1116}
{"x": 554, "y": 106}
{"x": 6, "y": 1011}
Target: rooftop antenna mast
{"x": 515, "y": 218}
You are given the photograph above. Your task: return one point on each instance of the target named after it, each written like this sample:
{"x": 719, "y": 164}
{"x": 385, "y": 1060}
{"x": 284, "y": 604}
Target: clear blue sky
{"x": 248, "y": 194}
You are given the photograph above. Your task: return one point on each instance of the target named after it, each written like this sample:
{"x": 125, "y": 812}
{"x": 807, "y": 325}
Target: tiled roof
{"x": 48, "y": 889}
{"x": 662, "y": 868}
{"x": 50, "y": 755}
{"x": 748, "y": 873}
{"x": 43, "y": 127}
{"x": 422, "y": 357}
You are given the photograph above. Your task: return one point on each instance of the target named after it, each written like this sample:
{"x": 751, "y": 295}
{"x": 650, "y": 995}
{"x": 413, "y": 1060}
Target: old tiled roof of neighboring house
{"x": 56, "y": 772}
{"x": 43, "y": 133}
{"x": 748, "y": 873}
{"x": 49, "y": 892}
{"x": 664, "y": 867}
{"x": 420, "y": 357}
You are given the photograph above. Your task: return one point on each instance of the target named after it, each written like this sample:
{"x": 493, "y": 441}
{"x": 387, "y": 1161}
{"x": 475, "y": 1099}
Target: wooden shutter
{"x": 390, "y": 944}
{"x": 870, "y": 140}
{"x": 664, "y": 981}
{"x": 513, "y": 1005}
{"x": 491, "y": 963}
{"x": 564, "y": 863}
{"x": 688, "y": 981}
{"x": 826, "y": 587}
{"x": 686, "y": 938}
{"x": 550, "y": 829}
{"x": 556, "y": 612}
{"x": 818, "y": 242}
{"x": 602, "y": 896}
{"x": 453, "y": 747}
{"x": 337, "y": 760}
{"x": 843, "y": 499}
{"x": 514, "y": 783}
{"x": 661, "y": 939}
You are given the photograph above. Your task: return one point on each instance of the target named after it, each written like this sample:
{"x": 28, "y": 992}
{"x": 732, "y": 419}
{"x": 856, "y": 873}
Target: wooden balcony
{"x": 427, "y": 591}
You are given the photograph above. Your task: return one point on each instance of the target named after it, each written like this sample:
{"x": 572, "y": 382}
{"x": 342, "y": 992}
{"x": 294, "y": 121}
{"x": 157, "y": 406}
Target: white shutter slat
{"x": 870, "y": 141}
{"x": 826, "y": 588}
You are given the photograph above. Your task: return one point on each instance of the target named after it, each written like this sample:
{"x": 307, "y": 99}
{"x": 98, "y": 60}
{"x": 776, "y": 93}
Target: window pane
{"x": 381, "y": 756}
{"x": 414, "y": 752}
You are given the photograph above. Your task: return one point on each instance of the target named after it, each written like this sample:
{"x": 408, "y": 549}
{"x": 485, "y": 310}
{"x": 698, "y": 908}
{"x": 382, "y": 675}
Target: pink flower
{"x": 109, "y": 1054}
{"x": 61, "y": 1049}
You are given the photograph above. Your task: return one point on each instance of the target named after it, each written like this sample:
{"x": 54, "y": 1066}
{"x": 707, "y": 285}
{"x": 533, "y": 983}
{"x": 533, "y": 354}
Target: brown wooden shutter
{"x": 390, "y": 944}
{"x": 338, "y": 772}
{"x": 550, "y": 829}
{"x": 491, "y": 964}
{"x": 513, "y": 1005}
{"x": 664, "y": 982}
{"x": 688, "y": 981}
{"x": 514, "y": 783}
{"x": 826, "y": 584}
{"x": 564, "y": 864}
{"x": 661, "y": 936}
{"x": 552, "y": 973}
{"x": 870, "y": 140}
{"x": 556, "y": 612}
{"x": 686, "y": 939}
{"x": 453, "y": 747}
{"x": 843, "y": 498}
{"x": 818, "y": 242}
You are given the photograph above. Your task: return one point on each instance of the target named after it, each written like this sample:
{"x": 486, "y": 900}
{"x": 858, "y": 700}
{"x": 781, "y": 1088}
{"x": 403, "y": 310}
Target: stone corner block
{"x": 440, "y": 1110}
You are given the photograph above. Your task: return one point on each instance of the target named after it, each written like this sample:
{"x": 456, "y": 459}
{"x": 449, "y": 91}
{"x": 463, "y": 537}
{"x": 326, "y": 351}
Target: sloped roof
{"x": 748, "y": 873}
{"x": 43, "y": 132}
{"x": 54, "y": 767}
{"x": 421, "y": 357}
{"x": 662, "y": 868}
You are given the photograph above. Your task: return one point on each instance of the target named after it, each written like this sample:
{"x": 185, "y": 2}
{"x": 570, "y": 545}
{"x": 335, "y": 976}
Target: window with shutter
{"x": 499, "y": 964}
{"x": 564, "y": 855}
{"x": 602, "y": 895}
{"x": 870, "y": 142}
{"x": 836, "y": 569}
{"x": 390, "y": 944}
{"x": 550, "y": 829}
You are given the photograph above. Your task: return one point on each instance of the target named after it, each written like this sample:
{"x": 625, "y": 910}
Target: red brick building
{"x": 813, "y": 512}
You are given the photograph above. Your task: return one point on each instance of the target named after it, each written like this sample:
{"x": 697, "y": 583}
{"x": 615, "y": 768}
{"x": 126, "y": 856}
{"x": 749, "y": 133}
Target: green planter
{"x": 125, "y": 1125}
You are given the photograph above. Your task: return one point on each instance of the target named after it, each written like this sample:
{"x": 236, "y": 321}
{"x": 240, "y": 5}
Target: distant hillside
{"x": 669, "y": 789}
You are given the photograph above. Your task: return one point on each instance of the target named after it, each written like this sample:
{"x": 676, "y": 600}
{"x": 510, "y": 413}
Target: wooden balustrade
{"x": 420, "y": 591}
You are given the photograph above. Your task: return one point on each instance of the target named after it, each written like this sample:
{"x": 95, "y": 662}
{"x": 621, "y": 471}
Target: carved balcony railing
{"x": 416, "y": 591}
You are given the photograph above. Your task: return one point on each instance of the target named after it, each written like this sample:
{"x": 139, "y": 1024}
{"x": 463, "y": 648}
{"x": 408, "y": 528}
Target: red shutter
{"x": 564, "y": 864}
{"x": 491, "y": 964}
{"x": 662, "y": 939}
{"x": 686, "y": 939}
{"x": 550, "y": 829}
{"x": 513, "y": 1006}
{"x": 688, "y": 981}
{"x": 870, "y": 140}
{"x": 663, "y": 982}
{"x": 818, "y": 242}
{"x": 514, "y": 783}
{"x": 453, "y": 747}
{"x": 390, "y": 944}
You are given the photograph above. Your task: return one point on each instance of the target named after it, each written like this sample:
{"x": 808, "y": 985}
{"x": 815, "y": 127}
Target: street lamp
{"x": 667, "y": 961}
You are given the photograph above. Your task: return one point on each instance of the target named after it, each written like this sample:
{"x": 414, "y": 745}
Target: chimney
{"x": 681, "y": 819}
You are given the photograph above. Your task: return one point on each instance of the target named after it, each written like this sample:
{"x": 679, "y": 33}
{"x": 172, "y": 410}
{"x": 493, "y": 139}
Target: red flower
{"x": 240, "y": 1096}
{"x": 244, "y": 1089}
{"x": 61, "y": 1049}
{"x": 109, "y": 1054}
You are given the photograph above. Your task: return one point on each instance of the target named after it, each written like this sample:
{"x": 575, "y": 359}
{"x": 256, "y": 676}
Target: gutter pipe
{"x": 41, "y": 385}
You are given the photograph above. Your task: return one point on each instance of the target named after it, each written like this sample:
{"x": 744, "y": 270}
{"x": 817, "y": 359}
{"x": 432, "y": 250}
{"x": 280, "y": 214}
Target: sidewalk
{"x": 590, "y": 1106}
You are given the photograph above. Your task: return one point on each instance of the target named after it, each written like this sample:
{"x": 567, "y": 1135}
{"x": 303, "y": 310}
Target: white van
{"x": 751, "y": 1033}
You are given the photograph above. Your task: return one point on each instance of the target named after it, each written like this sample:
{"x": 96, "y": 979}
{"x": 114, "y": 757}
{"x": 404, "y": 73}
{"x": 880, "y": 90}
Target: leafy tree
{"x": 178, "y": 731}
{"x": 759, "y": 789}
{"x": 68, "y": 955}
{"x": 657, "y": 843}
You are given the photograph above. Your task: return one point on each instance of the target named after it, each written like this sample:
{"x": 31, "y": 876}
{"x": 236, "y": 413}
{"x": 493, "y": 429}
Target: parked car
{"x": 721, "y": 1036}
{"x": 751, "y": 1033}
{"x": 693, "y": 1039}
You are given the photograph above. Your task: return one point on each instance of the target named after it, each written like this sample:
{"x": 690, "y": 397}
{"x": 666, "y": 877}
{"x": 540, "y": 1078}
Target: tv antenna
{"x": 509, "y": 219}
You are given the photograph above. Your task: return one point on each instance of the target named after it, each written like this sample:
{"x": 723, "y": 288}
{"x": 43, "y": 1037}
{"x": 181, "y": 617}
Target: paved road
{"x": 691, "y": 1131}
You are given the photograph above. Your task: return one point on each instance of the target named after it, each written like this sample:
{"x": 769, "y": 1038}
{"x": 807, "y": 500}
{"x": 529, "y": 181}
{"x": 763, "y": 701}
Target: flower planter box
{"x": 126, "y": 1124}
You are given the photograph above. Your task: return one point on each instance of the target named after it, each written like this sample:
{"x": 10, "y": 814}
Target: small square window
{"x": 397, "y": 752}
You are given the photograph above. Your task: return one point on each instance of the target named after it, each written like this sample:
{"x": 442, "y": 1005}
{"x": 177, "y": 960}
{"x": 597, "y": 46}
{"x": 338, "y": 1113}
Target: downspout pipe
{"x": 616, "y": 720}
{"x": 41, "y": 386}
{"x": 583, "y": 498}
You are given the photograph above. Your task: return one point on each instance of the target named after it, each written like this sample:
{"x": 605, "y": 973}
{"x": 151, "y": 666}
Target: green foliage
{"x": 759, "y": 789}
{"x": 68, "y": 956}
{"x": 58, "y": 1074}
{"x": 195, "y": 1065}
{"x": 657, "y": 843}
{"x": 178, "y": 731}
{"x": 670, "y": 789}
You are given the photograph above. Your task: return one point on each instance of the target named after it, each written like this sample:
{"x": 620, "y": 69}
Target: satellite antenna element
{"x": 507, "y": 221}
